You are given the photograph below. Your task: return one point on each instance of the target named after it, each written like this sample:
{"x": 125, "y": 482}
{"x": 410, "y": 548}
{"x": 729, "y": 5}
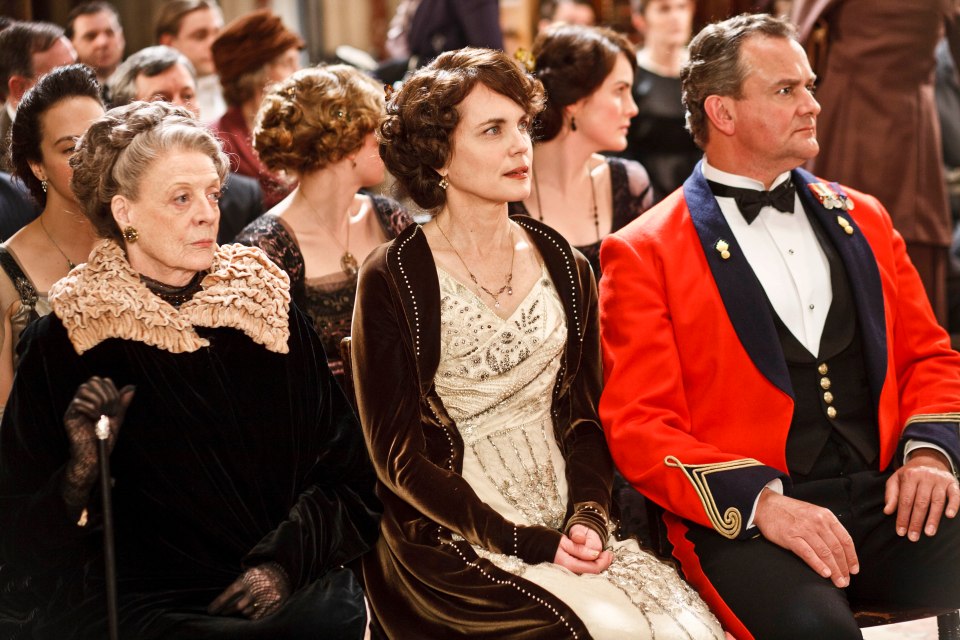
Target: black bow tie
{"x": 750, "y": 201}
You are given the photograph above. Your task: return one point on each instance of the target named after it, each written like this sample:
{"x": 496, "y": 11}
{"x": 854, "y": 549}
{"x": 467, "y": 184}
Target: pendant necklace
{"x": 70, "y": 263}
{"x": 593, "y": 193}
{"x": 507, "y": 287}
{"x": 348, "y": 263}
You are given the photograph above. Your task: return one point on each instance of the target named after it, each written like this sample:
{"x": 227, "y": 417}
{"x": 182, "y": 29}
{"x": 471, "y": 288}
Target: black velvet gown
{"x": 230, "y": 456}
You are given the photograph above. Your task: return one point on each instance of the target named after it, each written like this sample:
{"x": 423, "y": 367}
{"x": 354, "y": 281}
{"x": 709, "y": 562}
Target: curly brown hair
{"x": 416, "y": 134}
{"x": 118, "y": 149}
{"x": 572, "y": 63}
{"x": 316, "y": 117}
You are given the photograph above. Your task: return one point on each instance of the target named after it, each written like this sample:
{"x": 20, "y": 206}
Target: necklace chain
{"x": 593, "y": 194}
{"x": 348, "y": 263}
{"x": 70, "y": 263}
{"x": 507, "y": 287}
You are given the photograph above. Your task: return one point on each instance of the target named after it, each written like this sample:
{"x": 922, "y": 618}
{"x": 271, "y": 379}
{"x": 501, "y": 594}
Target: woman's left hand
{"x": 582, "y": 551}
{"x": 258, "y": 592}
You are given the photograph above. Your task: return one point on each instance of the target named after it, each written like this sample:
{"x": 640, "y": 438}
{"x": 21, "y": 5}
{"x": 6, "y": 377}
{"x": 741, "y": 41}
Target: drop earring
{"x": 444, "y": 183}
{"x": 573, "y": 123}
{"x": 43, "y": 185}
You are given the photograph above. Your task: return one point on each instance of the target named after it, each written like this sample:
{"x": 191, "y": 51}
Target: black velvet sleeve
{"x": 336, "y": 517}
{"x": 388, "y": 397}
{"x": 37, "y": 532}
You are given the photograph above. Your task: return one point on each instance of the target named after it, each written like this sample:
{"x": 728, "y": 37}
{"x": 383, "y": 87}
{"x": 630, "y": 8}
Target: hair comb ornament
{"x": 526, "y": 59}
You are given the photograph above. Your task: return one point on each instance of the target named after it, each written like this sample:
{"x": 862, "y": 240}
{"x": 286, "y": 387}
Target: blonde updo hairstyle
{"x": 417, "y": 133}
{"x": 316, "y": 117}
{"x": 112, "y": 157}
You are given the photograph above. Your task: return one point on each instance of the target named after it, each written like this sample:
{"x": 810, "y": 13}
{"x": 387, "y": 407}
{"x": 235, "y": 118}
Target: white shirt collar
{"x": 733, "y": 180}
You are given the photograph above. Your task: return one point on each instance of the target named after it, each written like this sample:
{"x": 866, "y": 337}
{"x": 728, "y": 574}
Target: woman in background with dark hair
{"x": 52, "y": 115}
{"x": 587, "y": 73}
{"x": 477, "y": 369}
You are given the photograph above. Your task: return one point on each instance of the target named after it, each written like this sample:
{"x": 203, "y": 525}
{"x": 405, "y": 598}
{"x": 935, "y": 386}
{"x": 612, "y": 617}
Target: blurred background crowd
{"x": 888, "y": 84}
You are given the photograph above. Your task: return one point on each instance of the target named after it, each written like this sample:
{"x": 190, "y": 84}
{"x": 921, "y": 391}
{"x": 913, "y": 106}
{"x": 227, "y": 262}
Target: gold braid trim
{"x": 104, "y": 298}
{"x": 933, "y": 417}
{"x": 730, "y": 523}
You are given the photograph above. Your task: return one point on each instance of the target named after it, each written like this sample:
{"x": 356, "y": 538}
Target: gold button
{"x": 822, "y": 369}
{"x": 824, "y": 383}
{"x": 828, "y": 397}
{"x": 831, "y": 412}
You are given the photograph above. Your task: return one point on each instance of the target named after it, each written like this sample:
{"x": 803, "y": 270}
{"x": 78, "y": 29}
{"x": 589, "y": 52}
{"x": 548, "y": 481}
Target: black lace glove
{"x": 258, "y": 592}
{"x": 94, "y": 398}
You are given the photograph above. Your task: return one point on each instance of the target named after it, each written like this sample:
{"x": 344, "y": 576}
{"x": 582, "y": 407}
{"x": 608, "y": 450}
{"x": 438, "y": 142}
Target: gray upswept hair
{"x": 118, "y": 149}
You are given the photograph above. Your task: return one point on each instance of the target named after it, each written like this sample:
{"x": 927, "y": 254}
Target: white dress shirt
{"x": 786, "y": 257}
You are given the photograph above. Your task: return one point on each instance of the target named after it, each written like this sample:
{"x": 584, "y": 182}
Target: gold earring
{"x": 444, "y": 183}
{"x": 130, "y": 234}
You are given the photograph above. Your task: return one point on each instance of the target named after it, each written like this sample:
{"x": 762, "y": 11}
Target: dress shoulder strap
{"x": 28, "y": 293}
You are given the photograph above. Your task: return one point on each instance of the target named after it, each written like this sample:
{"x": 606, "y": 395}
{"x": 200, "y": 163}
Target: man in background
{"x": 95, "y": 31}
{"x": 28, "y": 50}
{"x": 190, "y": 27}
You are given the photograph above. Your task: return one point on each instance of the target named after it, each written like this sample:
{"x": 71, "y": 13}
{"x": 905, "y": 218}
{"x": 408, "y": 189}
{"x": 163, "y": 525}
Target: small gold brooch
{"x": 843, "y": 222}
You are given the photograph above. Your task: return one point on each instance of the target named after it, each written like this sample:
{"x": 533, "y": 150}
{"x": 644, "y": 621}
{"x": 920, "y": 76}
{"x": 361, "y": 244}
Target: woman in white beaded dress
{"x": 477, "y": 368}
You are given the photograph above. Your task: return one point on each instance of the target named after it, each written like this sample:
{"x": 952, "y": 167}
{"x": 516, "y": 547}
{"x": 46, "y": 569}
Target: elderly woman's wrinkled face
{"x": 176, "y": 216}
{"x": 61, "y": 125}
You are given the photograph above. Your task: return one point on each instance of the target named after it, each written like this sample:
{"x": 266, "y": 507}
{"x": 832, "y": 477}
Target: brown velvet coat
{"x": 424, "y": 579}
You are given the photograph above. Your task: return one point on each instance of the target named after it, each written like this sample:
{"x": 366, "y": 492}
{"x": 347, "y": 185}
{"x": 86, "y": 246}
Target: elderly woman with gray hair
{"x": 241, "y": 481}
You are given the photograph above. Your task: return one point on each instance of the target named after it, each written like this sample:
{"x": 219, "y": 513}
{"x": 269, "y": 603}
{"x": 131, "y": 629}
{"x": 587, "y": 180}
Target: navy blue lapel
{"x": 864, "y": 278}
{"x": 746, "y": 303}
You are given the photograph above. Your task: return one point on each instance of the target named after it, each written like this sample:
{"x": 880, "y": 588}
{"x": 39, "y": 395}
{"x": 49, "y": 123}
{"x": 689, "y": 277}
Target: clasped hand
{"x": 582, "y": 551}
{"x": 258, "y": 592}
{"x": 94, "y": 398}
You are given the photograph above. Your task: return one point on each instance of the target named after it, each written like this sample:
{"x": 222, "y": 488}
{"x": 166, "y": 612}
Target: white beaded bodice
{"x": 496, "y": 379}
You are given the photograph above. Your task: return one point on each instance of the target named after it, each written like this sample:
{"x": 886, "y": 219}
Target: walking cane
{"x": 103, "y": 434}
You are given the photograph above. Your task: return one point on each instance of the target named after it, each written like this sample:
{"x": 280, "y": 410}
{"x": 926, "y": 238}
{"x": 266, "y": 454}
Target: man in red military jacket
{"x": 775, "y": 378}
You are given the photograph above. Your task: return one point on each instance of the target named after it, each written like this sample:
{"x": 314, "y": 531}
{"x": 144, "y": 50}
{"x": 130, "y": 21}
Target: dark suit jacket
{"x": 242, "y": 201}
{"x": 5, "y": 124}
{"x": 17, "y": 208}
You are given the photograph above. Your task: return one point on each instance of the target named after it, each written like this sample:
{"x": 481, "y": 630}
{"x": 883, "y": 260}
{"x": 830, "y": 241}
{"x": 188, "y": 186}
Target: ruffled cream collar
{"x": 104, "y": 298}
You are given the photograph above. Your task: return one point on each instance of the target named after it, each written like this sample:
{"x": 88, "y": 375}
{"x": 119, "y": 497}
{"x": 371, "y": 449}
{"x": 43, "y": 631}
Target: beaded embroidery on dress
{"x": 496, "y": 379}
